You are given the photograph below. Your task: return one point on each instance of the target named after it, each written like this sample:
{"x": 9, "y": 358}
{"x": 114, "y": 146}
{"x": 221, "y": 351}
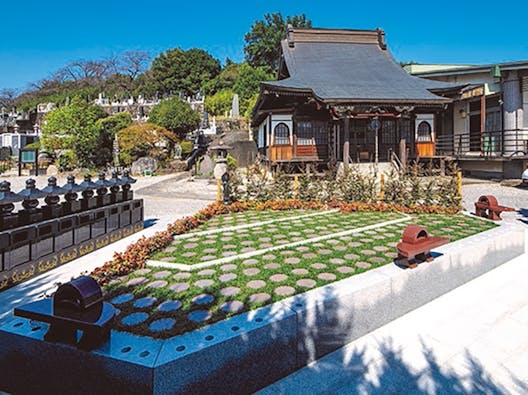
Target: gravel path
{"x": 506, "y": 196}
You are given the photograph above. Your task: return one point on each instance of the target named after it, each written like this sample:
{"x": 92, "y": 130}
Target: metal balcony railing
{"x": 507, "y": 143}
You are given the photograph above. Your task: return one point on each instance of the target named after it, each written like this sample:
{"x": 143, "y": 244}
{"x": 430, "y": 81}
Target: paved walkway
{"x": 471, "y": 340}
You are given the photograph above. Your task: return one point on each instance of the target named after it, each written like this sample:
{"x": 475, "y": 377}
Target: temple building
{"x": 341, "y": 97}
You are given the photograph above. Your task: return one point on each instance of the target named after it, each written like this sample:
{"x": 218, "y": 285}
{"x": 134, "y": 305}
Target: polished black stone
{"x": 88, "y": 203}
{"x": 71, "y": 207}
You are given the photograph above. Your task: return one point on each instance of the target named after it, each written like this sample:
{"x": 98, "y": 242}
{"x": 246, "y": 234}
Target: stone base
{"x": 253, "y": 349}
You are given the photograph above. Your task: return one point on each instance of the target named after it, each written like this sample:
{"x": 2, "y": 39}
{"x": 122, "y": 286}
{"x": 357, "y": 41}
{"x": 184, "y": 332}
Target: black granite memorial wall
{"x": 32, "y": 243}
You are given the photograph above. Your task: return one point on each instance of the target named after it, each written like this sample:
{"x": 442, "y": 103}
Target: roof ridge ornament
{"x": 290, "y": 36}
{"x": 381, "y": 38}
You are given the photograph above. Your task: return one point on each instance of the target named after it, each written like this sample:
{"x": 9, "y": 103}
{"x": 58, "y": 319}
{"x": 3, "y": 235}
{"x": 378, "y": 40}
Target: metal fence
{"x": 507, "y": 143}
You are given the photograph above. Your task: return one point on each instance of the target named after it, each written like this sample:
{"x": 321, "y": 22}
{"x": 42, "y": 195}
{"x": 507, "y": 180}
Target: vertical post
{"x": 295, "y": 186}
{"x": 403, "y": 153}
{"x": 218, "y": 190}
{"x": 459, "y": 183}
{"x": 442, "y": 167}
{"x": 376, "y": 149}
{"x": 346, "y": 143}
{"x": 484, "y": 140}
{"x": 382, "y": 187}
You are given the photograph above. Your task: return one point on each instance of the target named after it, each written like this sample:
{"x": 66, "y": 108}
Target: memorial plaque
{"x": 124, "y": 215}
{"x": 112, "y": 222}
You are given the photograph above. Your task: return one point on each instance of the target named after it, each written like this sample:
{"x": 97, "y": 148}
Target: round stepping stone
{"x": 142, "y": 272}
{"x": 144, "y": 302}
{"x": 163, "y": 324}
{"x": 306, "y": 283}
{"x": 309, "y": 255}
{"x": 284, "y": 290}
{"x": 297, "y": 238}
{"x": 354, "y": 244}
{"x": 324, "y": 252}
{"x": 379, "y": 237}
{"x": 190, "y": 246}
{"x": 209, "y": 242}
{"x": 392, "y": 244}
{"x": 351, "y": 257}
{"x": 134, "y": 319}
{"x": 170, "y": 305}
{"x": 264, "y": 239}
{"x": 229, "y": 246}
{"x": 227, "y": 277}
{"x": 232, "y": 306}
{"x": 167, "y": 259}
{"x": 229, "y": 253}
{"x": 250, "y": 261}
{"x": 247, "y": 242}
{"x": 271, "y": 265}
{"x": 287, "y": 252}
{"x": 333, "y": 241}
{"x": 188, "y": 254}
{"x": 181, "y": 276}
{"x": 136, "y": 281}
{"x": 366, "y": 240}
{"x": 229, "y": 291}
{"x": 277, "y": 278}
{"x": 363, "y": 265}
{"x": 123, "y": 298}
{"x": 302, "y": 249}
{"x": 170, "y": 249}
{"x": 208, "y": 258}
{"x": 193, "y": 239}
{"x": 248, "y": 249}
{"x": 345, "y": 269}
{"x": 203, "y": 299}
{"x": 157, "y": 284}
{"x": 206, "y": 272}
{"x": 179, "y": 287}
{"x": 204, "y": 283}
{"x": 199, "y": 315}
{"x": 226, "y": 238}
{"x": 327, "y": 276}
{"x": 292, "y": 260}
{"x": 318, "y": 266}
{"x": 210, "y": 250}
{"x": 300, "y": 272}
{"x": 259, "y": 298}
{"x": 295, "y": 233}
{"x": 263, "y": 246}
{"x": 162, "y": 274}
{"x": 377, "y": 259}
{"x": 340, "y": 248}
{"x": 228, "y": 267}
{"x": 391, "y": 255}
{"x": 252, "y": 271}
{"x": 268, "y": 257}
{"x": 283, "y": 241}
{"x": 256, "y": 284}
{"x": 368, "y": 252}
{"x": 336, "y": 261}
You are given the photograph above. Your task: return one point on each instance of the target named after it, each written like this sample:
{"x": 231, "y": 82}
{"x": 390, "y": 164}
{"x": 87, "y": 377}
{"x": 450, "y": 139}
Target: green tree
{"x": 220, "y": 102}
{"x": 107, "y": 129}
{"x": 177, "y": 70}
{"x": 248, "y": 83}
{"x": 262, "y": 46}
{"x": 175, "y": 115}
{"x": 73, "y": 126}
{"x": 225, "y": 80}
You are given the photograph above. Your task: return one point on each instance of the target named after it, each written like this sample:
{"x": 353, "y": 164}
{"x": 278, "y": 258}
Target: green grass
{"x": 454, "y": 227}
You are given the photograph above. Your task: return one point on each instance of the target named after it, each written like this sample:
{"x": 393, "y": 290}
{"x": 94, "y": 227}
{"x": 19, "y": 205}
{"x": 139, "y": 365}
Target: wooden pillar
{"x": 346, "y": 143}
{"x": 482, "y": 121}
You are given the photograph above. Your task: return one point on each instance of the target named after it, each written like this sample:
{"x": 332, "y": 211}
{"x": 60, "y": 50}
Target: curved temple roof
{"x": 349, "y": 66}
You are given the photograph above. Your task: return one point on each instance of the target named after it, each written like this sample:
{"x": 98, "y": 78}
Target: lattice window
{"x": 424, "y": 132}
{"x": 282, "y": 134}
{"x": 312, "y": 132}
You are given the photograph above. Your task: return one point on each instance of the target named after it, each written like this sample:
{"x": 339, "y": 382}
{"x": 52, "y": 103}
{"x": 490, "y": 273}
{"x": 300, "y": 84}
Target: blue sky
{"x": 37, "y": 38}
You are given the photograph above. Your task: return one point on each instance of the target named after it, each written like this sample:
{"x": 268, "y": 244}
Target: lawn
{"x": 290, "y": 252}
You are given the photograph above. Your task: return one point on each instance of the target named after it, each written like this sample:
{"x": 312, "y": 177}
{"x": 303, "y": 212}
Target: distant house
{"x": 486, "y": 126}
{"x": 340, "y": 96}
